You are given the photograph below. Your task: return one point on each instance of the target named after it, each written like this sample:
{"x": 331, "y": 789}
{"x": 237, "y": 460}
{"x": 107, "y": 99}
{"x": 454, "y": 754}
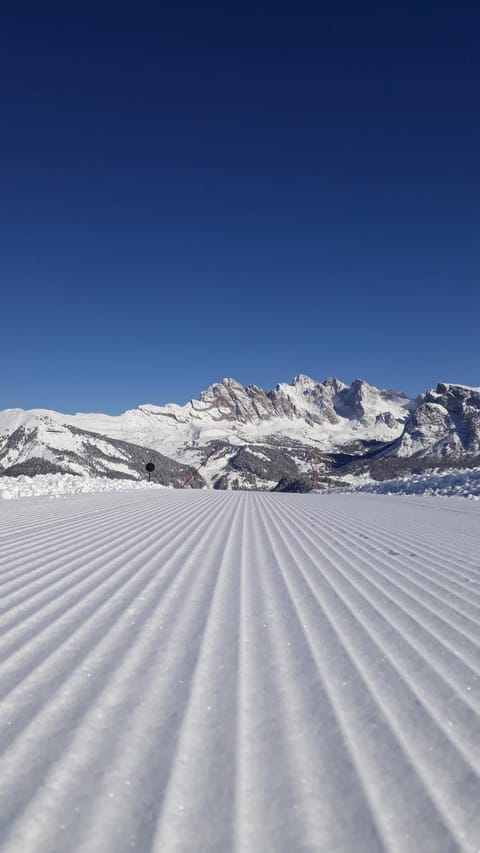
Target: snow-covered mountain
{"x": 446, "y": 423}
{"x": 38, "y": 442}
{"x": 253, "y": 438}
{"x": 442, "y": 431}
{"x": 257, "y": 437}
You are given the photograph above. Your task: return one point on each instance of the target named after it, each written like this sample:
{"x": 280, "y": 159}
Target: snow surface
{"x": 56, "y": 485}
{"x": 456, "y": 483}
{"x": 218, "y": 671}
{"x": 464, "y": 483}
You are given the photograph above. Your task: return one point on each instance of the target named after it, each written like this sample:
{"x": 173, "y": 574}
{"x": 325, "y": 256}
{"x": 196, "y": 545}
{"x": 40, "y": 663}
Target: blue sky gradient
{"x": 194, "y": 191}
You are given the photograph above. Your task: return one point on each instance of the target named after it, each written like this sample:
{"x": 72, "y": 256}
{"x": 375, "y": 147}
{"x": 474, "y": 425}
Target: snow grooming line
{"x": 317, "y": 661}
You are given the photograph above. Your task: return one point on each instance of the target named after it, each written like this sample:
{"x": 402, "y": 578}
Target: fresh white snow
{"x": 219, "y": 671}
{"x": 451, "y": 483}
{"x": 56, "y": 485}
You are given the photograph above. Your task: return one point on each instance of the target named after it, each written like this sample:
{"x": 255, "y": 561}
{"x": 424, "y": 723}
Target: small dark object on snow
{"x": 149, "y": 467}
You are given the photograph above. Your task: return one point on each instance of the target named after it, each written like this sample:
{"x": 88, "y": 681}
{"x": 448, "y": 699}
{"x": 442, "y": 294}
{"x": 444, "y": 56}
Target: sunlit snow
{"x": 231, "y": 671}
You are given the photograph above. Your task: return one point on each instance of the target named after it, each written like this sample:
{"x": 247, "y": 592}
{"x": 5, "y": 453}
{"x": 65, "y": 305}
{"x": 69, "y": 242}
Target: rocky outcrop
{"x": 304, "y": 400}
{"x": 445, "y": 425}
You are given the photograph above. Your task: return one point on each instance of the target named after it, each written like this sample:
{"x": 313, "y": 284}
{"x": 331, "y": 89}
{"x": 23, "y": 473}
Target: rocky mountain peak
{"x": 335, "y": 384}
{"x": 445, "y": 423}
{"x": 303, "y": 380}
{"x": 455, "y": 397}
{"x": 229, "y": 400}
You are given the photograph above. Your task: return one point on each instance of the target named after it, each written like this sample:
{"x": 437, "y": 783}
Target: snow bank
{"x": 464, "y": 483}
{"x": 56, "y": 485}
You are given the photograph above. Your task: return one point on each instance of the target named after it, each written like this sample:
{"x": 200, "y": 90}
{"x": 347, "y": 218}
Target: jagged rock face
{"x": 303, "y": 400}
{"x": 231, "y": 401}
{"x": 387, "y": 419}
{"x": 445, "y": 424}
{"x": 456, "y": 397}
{"x": 362, "y": 402}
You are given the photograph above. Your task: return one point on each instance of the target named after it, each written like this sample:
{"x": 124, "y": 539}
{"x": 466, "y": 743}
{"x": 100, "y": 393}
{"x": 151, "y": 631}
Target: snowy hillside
{"x": 204, "y": 671}
{"x": 39, "y": 442}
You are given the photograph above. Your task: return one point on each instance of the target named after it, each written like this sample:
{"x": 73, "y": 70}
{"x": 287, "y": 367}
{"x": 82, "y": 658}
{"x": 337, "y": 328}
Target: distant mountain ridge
{"x": 254, "y": 438}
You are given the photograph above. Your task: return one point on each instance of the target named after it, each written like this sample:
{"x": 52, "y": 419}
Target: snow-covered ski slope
{"x": 218, "y": 671}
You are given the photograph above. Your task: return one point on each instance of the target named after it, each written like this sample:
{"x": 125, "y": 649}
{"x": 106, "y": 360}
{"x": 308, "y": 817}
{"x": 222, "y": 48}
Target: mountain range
{"x": 298, "y": 433}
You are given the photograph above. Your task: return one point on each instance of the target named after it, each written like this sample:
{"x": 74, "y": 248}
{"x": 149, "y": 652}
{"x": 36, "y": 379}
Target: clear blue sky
{"x": 198, "y": 190}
